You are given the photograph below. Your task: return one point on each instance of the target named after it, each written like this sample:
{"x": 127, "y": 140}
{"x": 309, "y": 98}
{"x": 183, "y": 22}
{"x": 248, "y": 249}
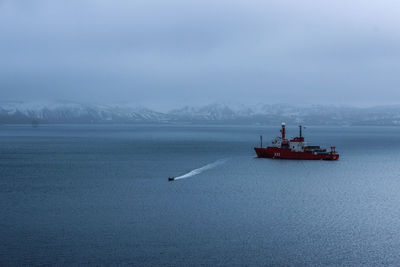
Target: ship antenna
{"x": 260, "y": 140}
{"x": 301, "y": 132}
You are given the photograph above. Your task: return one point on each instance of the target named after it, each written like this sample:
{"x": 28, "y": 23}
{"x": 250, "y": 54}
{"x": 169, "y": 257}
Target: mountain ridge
{"x": 217, "y": 113}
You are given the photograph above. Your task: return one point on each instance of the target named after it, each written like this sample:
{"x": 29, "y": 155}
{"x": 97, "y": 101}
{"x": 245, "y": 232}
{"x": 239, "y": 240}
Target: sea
{"x": 99, "y": 195}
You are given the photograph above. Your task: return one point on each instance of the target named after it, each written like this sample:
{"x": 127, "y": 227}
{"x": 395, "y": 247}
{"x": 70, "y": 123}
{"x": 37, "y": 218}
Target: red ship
{"x": 296, "y": 148}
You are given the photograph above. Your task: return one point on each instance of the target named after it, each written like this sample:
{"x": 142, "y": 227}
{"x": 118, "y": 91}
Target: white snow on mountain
{"x": 70, "y": 112}
{"x": 60, "y": 112}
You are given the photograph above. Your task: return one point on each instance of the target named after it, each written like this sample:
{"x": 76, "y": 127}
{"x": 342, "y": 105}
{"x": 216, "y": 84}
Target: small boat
{"x": 171, "y": 178}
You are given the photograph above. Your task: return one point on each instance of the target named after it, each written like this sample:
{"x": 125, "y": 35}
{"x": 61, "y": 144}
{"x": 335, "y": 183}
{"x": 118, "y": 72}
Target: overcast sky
{"x": 166, "y": 53}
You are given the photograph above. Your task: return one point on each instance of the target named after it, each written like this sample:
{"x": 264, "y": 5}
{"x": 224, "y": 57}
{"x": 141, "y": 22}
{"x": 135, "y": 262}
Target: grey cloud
{"x": 178, "y": 52}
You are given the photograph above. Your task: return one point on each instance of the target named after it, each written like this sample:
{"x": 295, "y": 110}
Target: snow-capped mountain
{"x": 67, "y": 112}
{"x": 213, "y": 112}
{"x": 260, "y": 113}
{"x": 264, "y": 114}
{"x": 272, "y": 114}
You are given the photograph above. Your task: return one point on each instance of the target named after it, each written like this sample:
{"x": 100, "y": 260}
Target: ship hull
{"x": 286, "y": 153}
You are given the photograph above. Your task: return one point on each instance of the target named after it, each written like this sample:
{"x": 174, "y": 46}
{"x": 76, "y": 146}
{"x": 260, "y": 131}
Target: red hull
{"x": 287, "y": 153}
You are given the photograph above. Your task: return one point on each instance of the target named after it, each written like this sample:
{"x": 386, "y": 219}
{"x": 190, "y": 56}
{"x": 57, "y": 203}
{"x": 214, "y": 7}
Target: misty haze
{"x": 186, "y": 133}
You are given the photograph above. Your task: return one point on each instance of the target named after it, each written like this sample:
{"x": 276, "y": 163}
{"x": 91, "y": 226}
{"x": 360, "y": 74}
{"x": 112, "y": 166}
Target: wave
{"x": 201, "y": 169}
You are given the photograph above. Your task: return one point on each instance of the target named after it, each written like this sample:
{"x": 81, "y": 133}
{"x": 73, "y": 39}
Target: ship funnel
{"x": 283, "y": 131}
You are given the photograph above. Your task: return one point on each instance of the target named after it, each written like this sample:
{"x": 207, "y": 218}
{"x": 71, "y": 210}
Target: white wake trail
{"x": 202, "y": 169}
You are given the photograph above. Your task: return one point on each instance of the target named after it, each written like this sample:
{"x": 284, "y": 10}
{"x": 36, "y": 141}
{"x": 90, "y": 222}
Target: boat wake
{"x": 202, "y": 169}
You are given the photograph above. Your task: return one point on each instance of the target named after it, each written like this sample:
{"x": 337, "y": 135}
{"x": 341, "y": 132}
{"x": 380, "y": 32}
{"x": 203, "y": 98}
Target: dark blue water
{"x": 99, "y": 195}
